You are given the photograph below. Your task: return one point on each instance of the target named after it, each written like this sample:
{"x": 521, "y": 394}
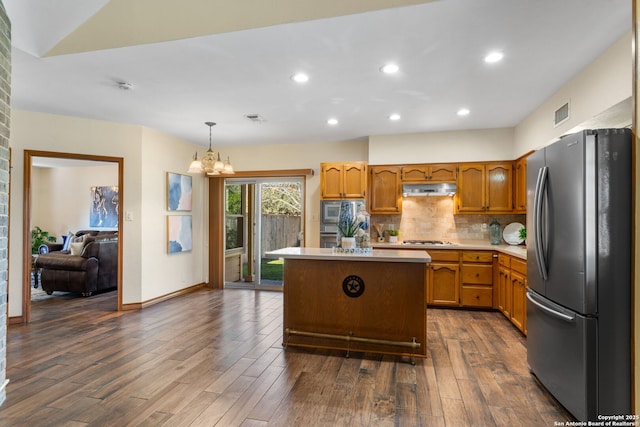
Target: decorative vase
{"x": 495, "y": 232}
{"x": 393, "y": 239}
{"x": 348, "y": 242}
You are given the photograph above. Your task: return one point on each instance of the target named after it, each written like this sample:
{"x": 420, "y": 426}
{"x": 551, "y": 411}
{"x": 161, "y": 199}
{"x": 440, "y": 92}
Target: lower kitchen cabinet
{"x": 512, "y": 285}
{"x": 444, "y": 278}
{"x": 477, "y": 279}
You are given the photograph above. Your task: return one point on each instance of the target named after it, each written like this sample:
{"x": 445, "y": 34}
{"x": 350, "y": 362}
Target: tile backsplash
{"x": 428, "y": 218}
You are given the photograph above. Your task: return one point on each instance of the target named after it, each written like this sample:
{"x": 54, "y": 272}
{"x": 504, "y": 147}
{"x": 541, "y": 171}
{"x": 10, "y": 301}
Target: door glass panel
{"x": 260, "y": 216}
{"x": 280, "y": 225}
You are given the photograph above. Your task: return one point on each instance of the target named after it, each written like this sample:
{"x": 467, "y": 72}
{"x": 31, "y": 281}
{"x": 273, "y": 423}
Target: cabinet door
{"x": 520, "y": 185}
{"x": 519, "y": 306}
{"x": 385, "y": 193}
{"x": 504, "y": 291}
{"x": 331, "y": 180}
{"x": 498, "y": 190}
{"x": 354, "y": 180}
{"x": 470, "y": 193}
{"x": 442, "y": 173}
{"x": 415, "y": 173}
{"x": 443, "y": 284}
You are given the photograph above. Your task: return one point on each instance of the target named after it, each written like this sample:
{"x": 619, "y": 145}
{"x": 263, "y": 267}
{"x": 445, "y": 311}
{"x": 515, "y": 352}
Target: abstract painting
{"x": 104, "y": 207}
{"x": 179, "y": 233}
{"x": 178, "y": 192}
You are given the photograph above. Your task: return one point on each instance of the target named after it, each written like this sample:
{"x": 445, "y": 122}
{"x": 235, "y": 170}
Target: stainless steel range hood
{"x": 439, "y": 189}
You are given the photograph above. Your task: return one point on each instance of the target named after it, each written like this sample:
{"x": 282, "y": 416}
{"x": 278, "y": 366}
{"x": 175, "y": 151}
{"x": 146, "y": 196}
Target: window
{"x": 234, "y": 216}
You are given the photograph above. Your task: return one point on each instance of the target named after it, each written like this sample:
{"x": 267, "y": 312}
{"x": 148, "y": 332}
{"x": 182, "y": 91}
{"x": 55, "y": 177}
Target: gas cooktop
{"x": 427, "y": 242}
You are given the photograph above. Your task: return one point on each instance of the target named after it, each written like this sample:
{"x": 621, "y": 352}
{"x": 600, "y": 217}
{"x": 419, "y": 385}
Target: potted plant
{"x": 522, "y": 233}
{"x": 349, "y": 231}
{"x": 39, "y": 237}
{"x": 393, "y": 235}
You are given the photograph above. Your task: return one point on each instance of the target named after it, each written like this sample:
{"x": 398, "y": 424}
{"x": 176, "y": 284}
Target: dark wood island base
{"x": 362, "y": 303}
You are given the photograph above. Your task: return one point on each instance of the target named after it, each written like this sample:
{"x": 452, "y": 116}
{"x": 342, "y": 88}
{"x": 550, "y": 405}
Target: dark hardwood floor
{"x": 215, "y": 358}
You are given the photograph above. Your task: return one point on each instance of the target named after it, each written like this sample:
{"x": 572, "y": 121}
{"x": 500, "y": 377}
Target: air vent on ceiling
{"x": 561, "y": 115}
{"x": 257, "y": 118}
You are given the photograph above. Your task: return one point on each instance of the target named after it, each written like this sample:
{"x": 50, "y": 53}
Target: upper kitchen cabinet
{"x": 429, "y": 173}
{"x": 520, "y": 184}
{"x": 343, "y": 180}
{"x": 485, "y": 188}
{"x": 385, "y": 192}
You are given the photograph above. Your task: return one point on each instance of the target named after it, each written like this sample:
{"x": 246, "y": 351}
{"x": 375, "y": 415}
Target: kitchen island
{"x": 373, "y": 302}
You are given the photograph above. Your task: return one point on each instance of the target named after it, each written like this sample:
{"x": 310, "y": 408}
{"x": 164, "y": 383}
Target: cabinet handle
{"x": 477, "y": 274}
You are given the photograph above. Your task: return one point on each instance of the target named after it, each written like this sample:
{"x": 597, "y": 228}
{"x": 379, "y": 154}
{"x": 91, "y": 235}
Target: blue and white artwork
{"x": 178, "y": 192}
{"x": 179, "y": 230}
{"x": 104, "y": 207}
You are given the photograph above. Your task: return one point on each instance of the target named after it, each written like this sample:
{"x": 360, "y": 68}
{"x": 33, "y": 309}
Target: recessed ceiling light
{"x": 300, "y": 78}
{"x": 394, "y": 117}
{"x": 493, "y": 57}
{"x": 390, "y": 69}
{"x": 332, "y": 121}
{"x": 463, "y": 112}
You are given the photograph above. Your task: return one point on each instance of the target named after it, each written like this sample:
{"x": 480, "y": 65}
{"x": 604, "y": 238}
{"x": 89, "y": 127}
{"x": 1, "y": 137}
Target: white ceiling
{"x": 440, "y": 45}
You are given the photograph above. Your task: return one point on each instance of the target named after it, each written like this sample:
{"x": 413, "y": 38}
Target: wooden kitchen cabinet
{"x": 519, "y": 297}
{"x": 520, "y": 184}
{"x": 443, "y": 285}
{"x": 485, "y": 188}
{"x": 477, "y": 279}
{"x": 504, "y": 285}
{"x": 429, "y": 173}
{"x": 343, "y": 180}
{"x": 512, "y": 285}
{"x": 385, "y": 190}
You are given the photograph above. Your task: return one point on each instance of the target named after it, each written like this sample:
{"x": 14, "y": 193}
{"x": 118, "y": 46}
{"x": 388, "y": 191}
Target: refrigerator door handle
{"x": 552, "y": 312}
{"x": 538, "y": 231}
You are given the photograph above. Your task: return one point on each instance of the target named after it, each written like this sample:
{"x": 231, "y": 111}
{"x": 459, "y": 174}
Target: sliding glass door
{"x": 260, "y": 216}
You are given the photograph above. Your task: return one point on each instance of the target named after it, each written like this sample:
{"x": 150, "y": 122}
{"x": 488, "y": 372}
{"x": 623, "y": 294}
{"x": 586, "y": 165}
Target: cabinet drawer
{"x": 519, "y": 265}
{"x": 477, "y": 296}
{"x": 477, "y": 256}
{"x": 445, "y": 255}
{"x": 477, "y": 274}
{"x": 504, "y": 260}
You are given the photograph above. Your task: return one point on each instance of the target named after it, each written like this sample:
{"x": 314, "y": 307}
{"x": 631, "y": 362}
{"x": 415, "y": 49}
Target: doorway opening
{"x": 261, "y": 215}
{"x": 58, "y": 198}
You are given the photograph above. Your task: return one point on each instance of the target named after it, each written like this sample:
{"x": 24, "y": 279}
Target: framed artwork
{"x": 178, "y": 192}
{"x": 179, "y": 233}
{"x": 104, "y": 207}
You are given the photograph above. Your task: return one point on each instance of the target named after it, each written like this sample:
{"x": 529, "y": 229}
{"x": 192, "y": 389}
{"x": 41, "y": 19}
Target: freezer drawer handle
{"x": 550, "y": 311}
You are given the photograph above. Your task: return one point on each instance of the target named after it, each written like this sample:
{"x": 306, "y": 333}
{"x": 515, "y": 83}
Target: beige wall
{"x": 598, "y": 87}
{"x": 62, "y": 197}
{"x": 435, "y": 147}
{"x": 299, "y": 156}
{"x": 145, "y": 166}
{"x": 162, "y": 273}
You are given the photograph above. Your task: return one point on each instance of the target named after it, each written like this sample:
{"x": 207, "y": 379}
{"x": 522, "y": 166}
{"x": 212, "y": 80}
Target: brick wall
{"x": 5, "y": 115}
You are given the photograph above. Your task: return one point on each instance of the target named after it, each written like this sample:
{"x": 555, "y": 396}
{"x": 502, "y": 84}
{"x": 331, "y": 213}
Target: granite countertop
{"x": 387, "y": 254}
{"x": 519, "y": 251}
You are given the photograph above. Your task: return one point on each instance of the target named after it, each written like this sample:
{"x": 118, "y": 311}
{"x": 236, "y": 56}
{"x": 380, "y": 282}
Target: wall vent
{"x": 257, "y": 118}
{"x": 561, "y": 115}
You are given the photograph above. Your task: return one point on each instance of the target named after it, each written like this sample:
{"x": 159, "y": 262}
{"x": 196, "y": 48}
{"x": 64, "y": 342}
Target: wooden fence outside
{"x": 280, "y": 231}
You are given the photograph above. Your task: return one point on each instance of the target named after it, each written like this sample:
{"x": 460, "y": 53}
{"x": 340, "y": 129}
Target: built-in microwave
{"x": 330, "y": 210}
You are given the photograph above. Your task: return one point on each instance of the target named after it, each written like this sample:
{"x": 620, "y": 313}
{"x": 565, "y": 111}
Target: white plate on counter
{"x": 511, "y": 233}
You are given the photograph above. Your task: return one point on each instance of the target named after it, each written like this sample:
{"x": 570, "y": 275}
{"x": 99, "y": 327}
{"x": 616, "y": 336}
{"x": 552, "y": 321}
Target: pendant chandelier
{"x": 210, "y": 163}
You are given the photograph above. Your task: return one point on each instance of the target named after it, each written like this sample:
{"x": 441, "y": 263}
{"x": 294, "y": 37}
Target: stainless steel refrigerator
{"x": 579, "y": 225}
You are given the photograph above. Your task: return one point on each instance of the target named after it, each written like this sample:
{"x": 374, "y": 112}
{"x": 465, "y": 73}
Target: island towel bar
{"x": 411, "y": 344}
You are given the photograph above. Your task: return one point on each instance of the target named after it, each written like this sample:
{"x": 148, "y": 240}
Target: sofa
{"x": 87, "y": 263}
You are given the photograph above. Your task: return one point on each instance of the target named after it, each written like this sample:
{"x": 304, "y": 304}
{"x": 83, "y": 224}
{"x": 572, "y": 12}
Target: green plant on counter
{"x": 392, "y": 232}
{"x": 349, "y": 229}
{"x": 39, "y": 237}
{"x": 522, "y": 233}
